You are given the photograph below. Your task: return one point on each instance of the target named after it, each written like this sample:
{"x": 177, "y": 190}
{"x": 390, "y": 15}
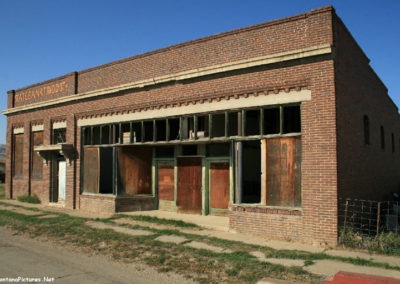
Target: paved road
{"x": 27, "y": 258}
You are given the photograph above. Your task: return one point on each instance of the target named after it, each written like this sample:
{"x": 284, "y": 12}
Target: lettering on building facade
{"x": 38, "y": 93}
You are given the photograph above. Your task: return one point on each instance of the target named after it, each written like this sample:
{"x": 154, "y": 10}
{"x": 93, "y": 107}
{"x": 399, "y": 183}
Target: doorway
{"x": 219, "y": 184}
{"x": 189, "y": 197}
{"x": 57, "y": 194}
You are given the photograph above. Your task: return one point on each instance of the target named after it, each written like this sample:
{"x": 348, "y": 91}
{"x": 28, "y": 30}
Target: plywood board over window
{"x": 135, "y": 170}
{"x": 37, "y": 162}
{"x": 283, "y": 171}
{"x": 18, "y": 154}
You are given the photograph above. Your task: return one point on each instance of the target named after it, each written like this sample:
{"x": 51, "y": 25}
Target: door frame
{"x": 207, "y": 192}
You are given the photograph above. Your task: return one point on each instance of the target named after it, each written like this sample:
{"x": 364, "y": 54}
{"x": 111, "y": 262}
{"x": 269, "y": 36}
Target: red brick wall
{"x": 316, "y": 221}
{"x": 365, "y": 171}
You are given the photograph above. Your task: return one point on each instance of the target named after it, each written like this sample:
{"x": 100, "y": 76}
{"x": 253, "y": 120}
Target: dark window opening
{"x": 164, "y": 152}
{"x": 252, "y": 122}
{"x": 366, "y": 130}
{"x": 202, "y": 126}
{"x": 105, "y": 176}
{"x": 87, "y": 136}
{"x": 233, "y": 124}
{"x": 218, "y": 125}
{"x": 37, "y": 162}
{"x": 218, "y": 150}
{"x": 271, "y": 121}
{"x": 96, "y": 135}
{"x": 251, "y": 172}
{"x": 116, "y": 135}
{"x": 161, "y": 128}
{"x": 148, "y": 131}
{"x": 59, "y": 136}
{"x": 173, "y": 125}
{"x": 105, "y": 134}
{"x": 136, "y": 132}
{"x": 189, "y": 150}
{"x": 187, "y": 127}
{"x": 126, "y": 133}
{"x": 382, "y": 138}
{"x": 291, "y": 119}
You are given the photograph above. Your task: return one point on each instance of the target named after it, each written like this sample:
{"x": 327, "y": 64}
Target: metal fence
{"x": 369, "y": 218}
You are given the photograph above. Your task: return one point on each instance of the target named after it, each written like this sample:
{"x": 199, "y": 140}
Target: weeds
{"x": 161, "y": 221}
{"x": 201, "y": 265}
{"x": 29, "y": 199}
{"x": 2, "y": 191}
{"x": 385, "y": 243}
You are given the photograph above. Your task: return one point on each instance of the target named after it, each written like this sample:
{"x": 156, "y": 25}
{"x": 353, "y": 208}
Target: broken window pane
{"x": 148, "y": 131}
{"x": 233, "y": 124}
{"x": 59, "y": 136}
{"x": 105, "y": 134}
{"x": 271, "y": 121}
{"x": 218, "y": 125}
{"x": 126, "y": 133}
{"x": 173, "y": 124}
{"x": 87, "y": 137}
{"x": 137, "y": 132}
{"x": 161, "y": 127}
{"x": 202, "y": 126}
{"x": 252, "y": 118}
{"x": 291, "y": 119}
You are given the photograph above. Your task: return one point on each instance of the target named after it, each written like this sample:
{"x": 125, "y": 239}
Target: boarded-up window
{"x": 166, "y": 181}
{"x": 37, "y": 162}
{"x": 97, "y": 170}
{"x": 18, "y": 154}
{"x": 135, "y": 170}
{"x": 91, "y": 169}
{"x": 283, "y": 172}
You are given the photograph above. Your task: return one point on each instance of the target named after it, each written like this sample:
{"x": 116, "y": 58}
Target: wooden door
{"x": 165, "y": 181}
{"x": 189, "y": 185}
{"x": 219, "y": 185}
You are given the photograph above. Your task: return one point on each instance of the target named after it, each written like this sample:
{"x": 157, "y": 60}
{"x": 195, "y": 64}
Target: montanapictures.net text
{"x": 26, "y": 280}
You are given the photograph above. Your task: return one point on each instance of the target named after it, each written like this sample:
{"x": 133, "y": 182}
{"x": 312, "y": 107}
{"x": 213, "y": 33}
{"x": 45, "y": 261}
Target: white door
{"x": 61, "y": 180}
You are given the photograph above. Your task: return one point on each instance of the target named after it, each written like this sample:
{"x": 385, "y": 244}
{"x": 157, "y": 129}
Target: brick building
{"x": 269, "y": 124}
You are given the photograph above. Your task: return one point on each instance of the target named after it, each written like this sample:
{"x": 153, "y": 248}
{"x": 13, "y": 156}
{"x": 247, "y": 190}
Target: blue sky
{"x": 43, "y": 39}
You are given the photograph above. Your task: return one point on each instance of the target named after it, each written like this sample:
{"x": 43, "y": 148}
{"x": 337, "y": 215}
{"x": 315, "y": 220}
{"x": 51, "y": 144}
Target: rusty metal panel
{"x": 283, "y": 172}
{"x": 91, "y": 168}
{"x": 135, "y": 169}
{"x": 189, "y": 185}
{"x": 219, "y": 185}
{"x": 165, "y": 178}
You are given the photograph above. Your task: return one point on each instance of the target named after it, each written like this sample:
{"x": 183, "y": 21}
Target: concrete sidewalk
{"x": 218, "y": 227}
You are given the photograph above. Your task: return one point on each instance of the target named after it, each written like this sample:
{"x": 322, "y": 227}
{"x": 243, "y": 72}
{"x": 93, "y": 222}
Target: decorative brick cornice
{"x": 190, "y": 74}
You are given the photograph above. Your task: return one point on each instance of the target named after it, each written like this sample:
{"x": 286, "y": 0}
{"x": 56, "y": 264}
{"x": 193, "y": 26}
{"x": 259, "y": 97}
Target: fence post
{"x": 378, "y": 218}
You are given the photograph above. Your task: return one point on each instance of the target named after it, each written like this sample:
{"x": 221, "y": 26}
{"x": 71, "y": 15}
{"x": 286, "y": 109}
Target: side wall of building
{"x": 368, "y": 170}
